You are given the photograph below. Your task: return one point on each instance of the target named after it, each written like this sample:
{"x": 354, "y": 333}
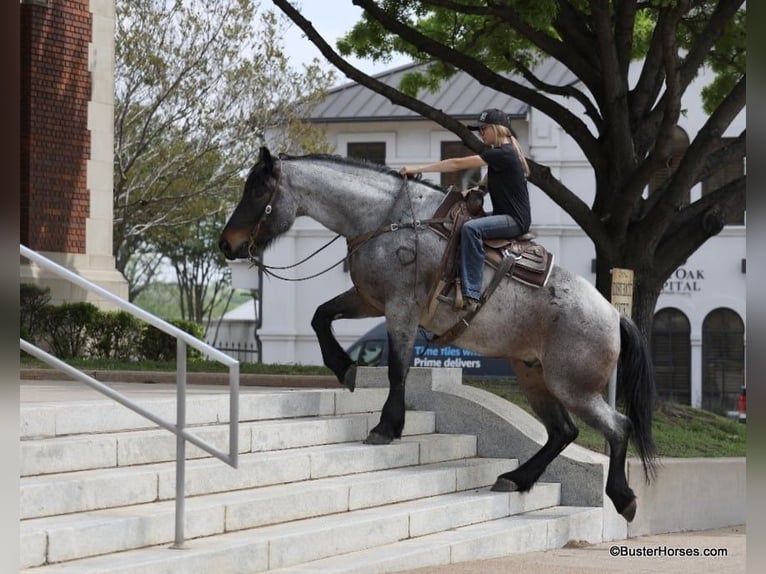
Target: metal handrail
{"x": 179, "y": 428}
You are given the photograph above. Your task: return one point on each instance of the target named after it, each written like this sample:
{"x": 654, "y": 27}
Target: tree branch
{"x": 650, "y": 81}
{"x": 542, "y": 177}
{"x": 646, "y": 132}
{"x": 574, "y": 126}
{"x": 566, "y": 91}
{"x": 662, "y": 150}
{"x": 579, "y": 39}
{"x": 714, "y": 28}
{"x": 696, "y": 224}
{"x": 394, "y": 96}
{"x": 545, "y": 42}
{"x": 624, "y": 23}
{"x": 660, "y": 215}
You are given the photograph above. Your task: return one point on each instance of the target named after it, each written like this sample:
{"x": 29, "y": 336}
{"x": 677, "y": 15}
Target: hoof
{"x": 504, "y": 485}
{"x": 376, "y": 438}
{"x": 349, "y": 379}
{"x": 629, "y": 511}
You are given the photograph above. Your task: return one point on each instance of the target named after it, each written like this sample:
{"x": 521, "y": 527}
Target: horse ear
{"x": 264, "y": 157}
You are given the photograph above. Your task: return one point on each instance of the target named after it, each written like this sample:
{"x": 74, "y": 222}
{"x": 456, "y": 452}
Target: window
{"x": 671, "y": 352}
{"x": 679, "y": 145}
{"x": 371, "y": 151}
{"x": 458, "y": 179}
{"x": 723, "y": 360}
{"x": 735, "y": 214}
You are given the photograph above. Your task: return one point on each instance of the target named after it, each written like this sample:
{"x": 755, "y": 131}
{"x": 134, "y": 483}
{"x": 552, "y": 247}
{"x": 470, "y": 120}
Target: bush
{"x": 69, "y": 328}
{"x": 32, "y": 309}
{"x": 157, "y": 345}
{"x": 116, "y": 335}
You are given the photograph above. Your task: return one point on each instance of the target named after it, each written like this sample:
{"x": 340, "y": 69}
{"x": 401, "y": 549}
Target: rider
{"x": 507, "y": 186}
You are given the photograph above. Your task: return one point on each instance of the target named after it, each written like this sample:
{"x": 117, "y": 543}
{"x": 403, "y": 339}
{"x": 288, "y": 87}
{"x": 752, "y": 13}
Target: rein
{"x": 354, "y": 244}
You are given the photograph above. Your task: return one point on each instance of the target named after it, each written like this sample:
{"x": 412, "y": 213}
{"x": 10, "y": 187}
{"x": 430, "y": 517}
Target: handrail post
{"x": 180, "y": 442}
{"x": 233, "y": 415}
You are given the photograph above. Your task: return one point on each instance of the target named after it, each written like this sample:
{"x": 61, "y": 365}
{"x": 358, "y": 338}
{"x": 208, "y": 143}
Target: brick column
{"x": 67, "y": 108}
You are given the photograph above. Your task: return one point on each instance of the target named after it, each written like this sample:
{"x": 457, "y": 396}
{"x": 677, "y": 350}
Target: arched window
{"x": 671, "y": 351}
{"x": 723, "y": 360}
{"x": 679, "y": 145}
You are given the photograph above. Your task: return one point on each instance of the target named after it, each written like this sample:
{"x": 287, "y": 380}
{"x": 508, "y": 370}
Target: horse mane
{"x": 355, "y": 162}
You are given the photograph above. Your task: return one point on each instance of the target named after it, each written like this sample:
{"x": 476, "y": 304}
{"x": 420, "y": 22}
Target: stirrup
{"x": 467, "y": 304}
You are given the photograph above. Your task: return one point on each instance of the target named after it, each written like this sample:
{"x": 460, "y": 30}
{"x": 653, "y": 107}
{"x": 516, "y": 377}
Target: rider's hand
{"x": 403, "y": 171}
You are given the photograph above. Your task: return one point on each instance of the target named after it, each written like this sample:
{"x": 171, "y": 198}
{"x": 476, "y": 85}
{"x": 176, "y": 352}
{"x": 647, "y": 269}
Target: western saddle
{"x": 520, "y": 257}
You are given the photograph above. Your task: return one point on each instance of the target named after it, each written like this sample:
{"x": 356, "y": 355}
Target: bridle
{"x": 262, "y": 219}
{"x": 354, "y": 244}
{"x": 253, "y": 256}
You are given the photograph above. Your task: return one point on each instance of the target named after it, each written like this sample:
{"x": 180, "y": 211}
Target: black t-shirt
{"x": 507, "y": 184}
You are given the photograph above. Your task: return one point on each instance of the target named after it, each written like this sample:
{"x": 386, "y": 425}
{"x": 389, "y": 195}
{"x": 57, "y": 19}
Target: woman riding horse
{"x": 507, "y": 187}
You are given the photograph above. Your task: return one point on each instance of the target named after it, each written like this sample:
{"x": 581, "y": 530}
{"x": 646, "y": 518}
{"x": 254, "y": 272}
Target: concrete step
{"x": 538, "y": 530}
{"x": 68, "y": 537}
{"x": 64, "y": 493}
{"x": 301, "y": 541}
{"x": 126, "y": 448}
{"x": 45, "y": 420}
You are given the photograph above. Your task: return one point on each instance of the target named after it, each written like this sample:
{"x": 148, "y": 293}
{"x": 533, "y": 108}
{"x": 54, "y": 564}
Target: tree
{"x": 196, "y": 83}
{"x": 628, "y": 134}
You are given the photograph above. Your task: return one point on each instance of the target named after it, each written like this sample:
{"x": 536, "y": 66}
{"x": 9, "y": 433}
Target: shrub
{"x": 116, "y": 335}
{"x": 157, "y": 345}
{"x": 69, "y": 328}
{"x": 32, "y": 309}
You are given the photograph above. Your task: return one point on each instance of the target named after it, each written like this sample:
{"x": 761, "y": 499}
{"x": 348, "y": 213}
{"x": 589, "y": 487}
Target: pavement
{"x": 650, "y": 554}
{"x": 682, "y": 553}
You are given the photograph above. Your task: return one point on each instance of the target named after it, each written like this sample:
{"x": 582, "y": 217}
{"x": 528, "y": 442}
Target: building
{"x": 699, "y": 332}
{"x": 67, "y": 143}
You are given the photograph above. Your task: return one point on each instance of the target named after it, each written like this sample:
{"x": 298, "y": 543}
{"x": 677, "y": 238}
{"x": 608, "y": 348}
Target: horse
{"x": 563, "y": 340}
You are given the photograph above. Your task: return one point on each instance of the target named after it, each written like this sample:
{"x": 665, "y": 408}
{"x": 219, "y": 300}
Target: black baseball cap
{"x": 492, "y": 116}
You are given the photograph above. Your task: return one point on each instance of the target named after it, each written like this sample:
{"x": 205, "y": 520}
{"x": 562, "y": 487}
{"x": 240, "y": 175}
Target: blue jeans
{"x": 472, "y": 236}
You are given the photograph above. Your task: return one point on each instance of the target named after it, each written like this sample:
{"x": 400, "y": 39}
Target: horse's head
{"x": 263, "y": 213}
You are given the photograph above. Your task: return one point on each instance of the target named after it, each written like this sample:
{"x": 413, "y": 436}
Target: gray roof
{"x": 461, "y": 97}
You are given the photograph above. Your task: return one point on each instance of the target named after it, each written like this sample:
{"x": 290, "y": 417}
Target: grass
{"x": 679, "y": 430}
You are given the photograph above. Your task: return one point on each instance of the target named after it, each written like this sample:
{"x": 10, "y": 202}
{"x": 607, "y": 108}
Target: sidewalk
{"x": 592, "y": 559}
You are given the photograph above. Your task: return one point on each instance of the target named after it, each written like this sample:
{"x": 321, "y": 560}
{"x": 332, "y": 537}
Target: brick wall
{"x": 55, "y": 141}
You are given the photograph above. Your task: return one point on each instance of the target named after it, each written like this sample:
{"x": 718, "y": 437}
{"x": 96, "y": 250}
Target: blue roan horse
{"x": 563, "y": 340}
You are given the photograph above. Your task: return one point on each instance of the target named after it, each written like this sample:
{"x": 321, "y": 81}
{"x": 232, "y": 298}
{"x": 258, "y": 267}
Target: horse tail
{"x": 635, "y": 374}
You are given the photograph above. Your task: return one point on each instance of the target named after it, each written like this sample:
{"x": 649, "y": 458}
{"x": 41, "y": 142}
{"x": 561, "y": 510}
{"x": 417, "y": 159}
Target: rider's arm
{"x": 446, "y": 165}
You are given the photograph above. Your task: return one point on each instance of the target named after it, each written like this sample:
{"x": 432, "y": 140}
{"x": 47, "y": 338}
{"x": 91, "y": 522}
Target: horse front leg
{"x": 347, "y": 305}
{"x": 402, "y": 330}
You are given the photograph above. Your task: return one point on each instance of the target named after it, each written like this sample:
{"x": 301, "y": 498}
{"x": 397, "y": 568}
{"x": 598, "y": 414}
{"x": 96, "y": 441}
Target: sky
{"x": 332, "y": 19}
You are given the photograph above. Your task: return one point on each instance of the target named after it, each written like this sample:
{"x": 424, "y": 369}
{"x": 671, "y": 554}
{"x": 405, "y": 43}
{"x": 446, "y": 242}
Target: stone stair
{"x": 98, "y": 487}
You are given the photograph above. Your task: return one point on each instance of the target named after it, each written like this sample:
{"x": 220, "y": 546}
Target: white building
{"x": 699, "y": 327}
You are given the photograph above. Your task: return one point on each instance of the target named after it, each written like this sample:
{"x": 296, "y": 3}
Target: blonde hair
{"x": 505, "y": 132}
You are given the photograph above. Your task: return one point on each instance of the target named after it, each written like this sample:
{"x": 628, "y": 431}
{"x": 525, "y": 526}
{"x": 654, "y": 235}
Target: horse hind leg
{"x": 347, "y": 305}
{"x": 558, "y": 424}
{"x": 616, "y": 428}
